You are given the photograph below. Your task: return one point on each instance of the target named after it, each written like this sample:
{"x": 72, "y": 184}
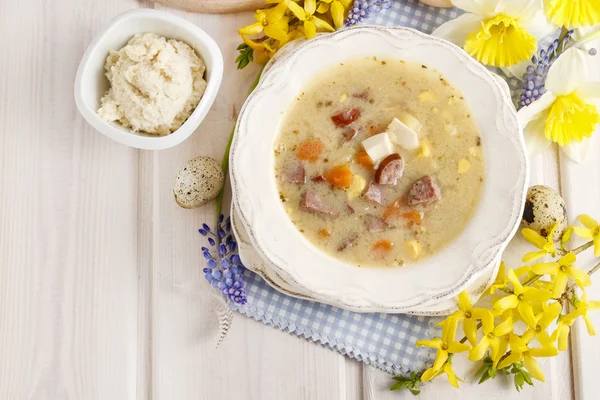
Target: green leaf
{"x": 398, "y": 386}
{"x": 527, "y": 377}
{"x": 492, "y": 372}
{"x": 484, "y": 377}
{"x": 519, "y": 381}
{"x": 413, "y": 375}
{"x": 481, "y": 370}
{"x": 415, "y": 392}
{"x": 400, "y": 378}
{"x": 242, "y": 46}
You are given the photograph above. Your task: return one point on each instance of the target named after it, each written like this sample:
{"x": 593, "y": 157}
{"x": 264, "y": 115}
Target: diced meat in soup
{"x": 379, "y": 163}
{"x": 424, "y": 191}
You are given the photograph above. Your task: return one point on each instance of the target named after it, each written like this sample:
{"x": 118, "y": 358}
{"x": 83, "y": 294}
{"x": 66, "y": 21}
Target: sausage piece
{"x": 348, "y": 242}
{"x": 373, "y": 193}
{"x": 350, "y": 133}
{"x": 294, "y": 173}
{"x": 390, "y": 170}
{"x": 346, "y": 117}
{"x": 424, "y": 191}
{"x": 312, "y": 202}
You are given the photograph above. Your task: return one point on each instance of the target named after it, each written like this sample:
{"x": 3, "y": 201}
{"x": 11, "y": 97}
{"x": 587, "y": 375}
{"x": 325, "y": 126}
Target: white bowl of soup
{"x": 379, "y": 169}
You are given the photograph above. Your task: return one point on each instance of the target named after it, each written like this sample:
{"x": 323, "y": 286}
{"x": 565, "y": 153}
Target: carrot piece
{"x": 310, "y": 150}
{"x": 340, "y": 176}
{"x": 413, "y": 217}
{"x": 375, "y": 129}
{"x": 393, "y": 209}
{"x": 363, "y": 159}
{"x": 382, "y": 247}
{"x": 324, "y": 233}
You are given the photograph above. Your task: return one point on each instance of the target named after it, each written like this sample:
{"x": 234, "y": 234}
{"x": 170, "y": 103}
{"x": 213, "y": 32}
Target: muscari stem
{"x": 225, "y": 160}
{"x": 587, "y": 38}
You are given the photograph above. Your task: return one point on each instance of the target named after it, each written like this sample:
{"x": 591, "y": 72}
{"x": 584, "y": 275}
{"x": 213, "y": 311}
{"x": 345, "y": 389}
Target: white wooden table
{"x": 101, "y": 290}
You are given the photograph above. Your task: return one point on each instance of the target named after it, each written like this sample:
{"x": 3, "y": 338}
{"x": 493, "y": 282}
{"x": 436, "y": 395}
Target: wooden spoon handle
{"x": 215, "y": 6}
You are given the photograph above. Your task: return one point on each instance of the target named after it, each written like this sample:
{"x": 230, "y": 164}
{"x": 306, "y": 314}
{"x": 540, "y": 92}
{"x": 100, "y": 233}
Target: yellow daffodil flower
{"x": 498, "y": 33}
{"x": 590, "y": 230}
{"x": 492, "y": 339}
{"x": 584, "y": 306}
{"x": 338, "y": 10}
{"x": 445, "y": 346}
{"x": 545, "y": 244}
{"x": 306, "y": 15}
{"x": 573, "y": 13}
{"x": 272, "y": 21}
{"x": 567, "y": 113}
{"x": 562, "y": 271}
{"x": 469, "y": 315}
{"x": 522, "y": 300}
{"x": 520, "y": 351}
{"x": 563, "y": 328}
{"x": 544, "y": 319}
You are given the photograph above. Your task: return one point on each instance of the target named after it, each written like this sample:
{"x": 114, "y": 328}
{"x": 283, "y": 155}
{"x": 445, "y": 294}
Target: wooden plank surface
{"x": 101, "y": 290}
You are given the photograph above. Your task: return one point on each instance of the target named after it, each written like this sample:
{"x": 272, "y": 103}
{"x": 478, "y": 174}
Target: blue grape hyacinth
{"x": 361, "y": 9}
{"x": 534, "y": 78}
{"x": 224, "y": 269}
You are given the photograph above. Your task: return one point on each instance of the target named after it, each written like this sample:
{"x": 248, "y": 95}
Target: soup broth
{"x": 379, "y": 162}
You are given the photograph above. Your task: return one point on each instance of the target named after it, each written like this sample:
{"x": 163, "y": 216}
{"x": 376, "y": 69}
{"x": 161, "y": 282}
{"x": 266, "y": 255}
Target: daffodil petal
{"x": 457, "y": 347}
{"x": 573, "y": 13}
{"x": 533, "y": 132}
{"x": 470, "y": 329}
{"x": 524, "y": 9}
{"x": 534, "y": 368}
{"x": 526, "y": 313}
{"x": 588, "y": 221}
{"x": 579, "y": 151}
{"x": 590, "y": 91}
{"x": 550, "y": 268}
{"x": 479, "y": 350}
{"x": 506, "y": 303}
{"x": 560, "y": 283}
{"x": 535, "y": 109}
{"x": 567, "y": 73}
{"x": 510, "y": 360}
{"x": 539, "y": 26}
{"x": 485, "y": 8}
{"x": 456, "y": 30}
{"x": 432, "y": 343}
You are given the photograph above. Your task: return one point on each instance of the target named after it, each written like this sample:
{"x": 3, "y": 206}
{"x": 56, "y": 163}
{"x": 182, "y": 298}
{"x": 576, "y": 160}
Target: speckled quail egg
{"x": 544, "y": 207}
{"x": 198, "y": 182}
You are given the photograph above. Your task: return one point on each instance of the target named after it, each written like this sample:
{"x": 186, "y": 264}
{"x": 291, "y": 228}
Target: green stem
{"x": 225, "y": 160}
{"x": 587, "y": 38}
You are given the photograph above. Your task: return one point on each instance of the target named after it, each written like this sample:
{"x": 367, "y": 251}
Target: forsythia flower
{"x": 563, "y": 327}
{"x": 306, "y": 15}
{"x": 500, "y": 282}
{"x": 262, "y": 51}
{"x": 573, "y": 13}
{"x": 522, "y": 300}
{"x": 273, "y": 22}
{"x": 567, "y": 113}
{"x": 590, "y": 230}
{"x": 337, "y": 8}
{"x": 492, "y": 339}
{"x": 543, "y": 321}
{"x": 468, "y": 315}
{"x": 562, "y": 271}
{"x": 545, "y": 244}
{"x": 445, "y": 346}
{"x": 584, "y": 306}
{"x": 520, "y": 351}
{"x": 499, "y": 33}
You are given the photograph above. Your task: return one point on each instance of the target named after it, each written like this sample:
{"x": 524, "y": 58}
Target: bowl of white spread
{"x": 148, "y": 79}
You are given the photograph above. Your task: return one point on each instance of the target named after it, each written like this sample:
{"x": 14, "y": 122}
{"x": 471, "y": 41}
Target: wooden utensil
{"x": 215, "y": 6}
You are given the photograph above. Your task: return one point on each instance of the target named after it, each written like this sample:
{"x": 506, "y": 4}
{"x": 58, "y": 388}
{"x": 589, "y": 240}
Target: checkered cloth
{"x": 386, "y": 341}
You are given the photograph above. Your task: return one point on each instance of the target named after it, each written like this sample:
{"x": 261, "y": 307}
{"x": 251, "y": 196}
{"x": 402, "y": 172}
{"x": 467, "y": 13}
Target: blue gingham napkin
{"x": 386, "y": 341}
